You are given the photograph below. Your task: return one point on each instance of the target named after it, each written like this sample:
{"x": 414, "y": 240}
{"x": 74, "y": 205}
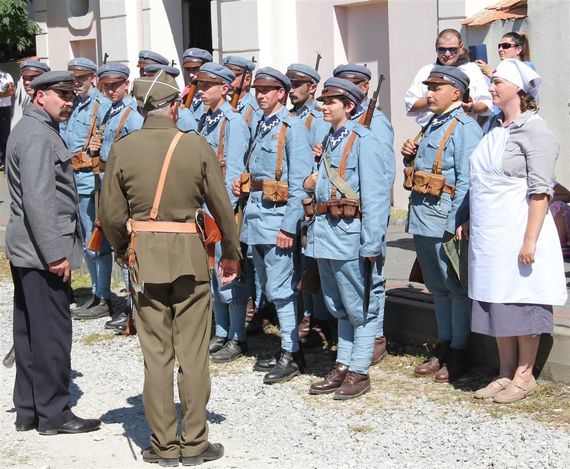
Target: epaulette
{"x": 462, "y": 117}
{"x": 360, "y": 130}
{"x": 290, "y": 120}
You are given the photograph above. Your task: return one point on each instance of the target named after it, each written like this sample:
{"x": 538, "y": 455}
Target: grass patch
{"x": 5, "y": 273}
{"x": 96, "y": 338}
{"x": 361, "y": 429}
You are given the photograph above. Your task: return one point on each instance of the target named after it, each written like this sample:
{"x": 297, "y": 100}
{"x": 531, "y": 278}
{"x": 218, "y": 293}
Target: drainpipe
{"x": 219, "y": 20}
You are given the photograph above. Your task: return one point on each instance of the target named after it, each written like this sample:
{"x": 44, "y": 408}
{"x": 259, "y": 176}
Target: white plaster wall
{"x": 240, "y": 34}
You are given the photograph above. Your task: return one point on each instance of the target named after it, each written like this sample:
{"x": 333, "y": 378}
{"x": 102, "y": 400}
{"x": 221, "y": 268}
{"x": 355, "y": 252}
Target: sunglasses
{"x": 505, "y": 45}
{"x": 443, "y": 50}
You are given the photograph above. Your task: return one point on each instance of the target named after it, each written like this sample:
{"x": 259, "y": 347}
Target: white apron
{"x": 498, "y": 218}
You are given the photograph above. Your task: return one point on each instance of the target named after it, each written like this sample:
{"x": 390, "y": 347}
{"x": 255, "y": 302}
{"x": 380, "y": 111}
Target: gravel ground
{"x": 404, "y": 422}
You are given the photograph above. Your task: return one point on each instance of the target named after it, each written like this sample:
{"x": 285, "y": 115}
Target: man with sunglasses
{"x": 89, "y": 109}
{"x": 192, "y": 60}
{"x": 477, "y": 100}
{"x": 43, "y": 245}
{"x": 120, "y": 119}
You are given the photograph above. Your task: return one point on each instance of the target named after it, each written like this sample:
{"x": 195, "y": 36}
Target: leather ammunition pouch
{"x": 245, "y": 183}
{"x": 83, "y": 163}
{"x": 309, "y": 207}
{"x": 408, "y": 177}
{"x": 343, "y": 208}
{"x": 275, "y": 191}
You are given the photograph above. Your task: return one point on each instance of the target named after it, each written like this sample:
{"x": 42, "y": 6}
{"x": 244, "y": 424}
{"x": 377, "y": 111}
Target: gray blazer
{"x": 43, "y": 212}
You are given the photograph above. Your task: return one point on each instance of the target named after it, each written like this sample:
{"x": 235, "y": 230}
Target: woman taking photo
{"x": 515, "y": 263}
{"x": 512, "y": 46}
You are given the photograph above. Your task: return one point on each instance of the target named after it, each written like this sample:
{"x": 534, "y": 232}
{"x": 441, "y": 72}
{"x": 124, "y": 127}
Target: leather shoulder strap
{"x": 344, "y": 157}
{"x": 122, "y": 123}
{"x": 309, "y": 121}
{"x": 436, "y": 168}
{"x": 94, "y": 113}
{"x": 280, "y": 149}
{"x": 248, "y": 114}
{"x": 162, "y": 177}
{"x": 220, "y": 151}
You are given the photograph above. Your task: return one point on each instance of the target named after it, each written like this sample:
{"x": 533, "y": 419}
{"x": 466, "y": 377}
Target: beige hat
{"x": 156, "y": 91}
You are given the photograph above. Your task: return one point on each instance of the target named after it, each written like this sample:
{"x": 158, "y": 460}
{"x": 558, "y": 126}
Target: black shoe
{"x": 213, "y": 451}
{"x": 93, "y": 311}
{"x": 231, "y": 350}
{"x": 151, "y": 457}
{"x": 93, "y": 301}
{"x": 285, "y": 369}
{"x": 265, "y": 364}
{"x": 25, "y": 427}
{"x": 119, "y": 321}
{"x": 216, "y": 343}
{"x": 74, "y": 425}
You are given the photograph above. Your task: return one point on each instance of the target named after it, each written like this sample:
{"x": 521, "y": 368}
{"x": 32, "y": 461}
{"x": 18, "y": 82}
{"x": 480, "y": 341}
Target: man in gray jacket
{"x": 43, "y": 244}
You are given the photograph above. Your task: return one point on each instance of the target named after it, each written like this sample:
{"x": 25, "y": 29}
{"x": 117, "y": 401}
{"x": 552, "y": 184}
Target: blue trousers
{"x": 275, "y": 270}
{"x": 451, "y": 303}
{"x": 99, "y": 264}
{"x": 253, "y": 285}
{"x": 342, "y": 283}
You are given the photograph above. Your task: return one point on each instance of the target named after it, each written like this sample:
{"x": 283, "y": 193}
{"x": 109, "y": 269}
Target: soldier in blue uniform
{"x": 192, "y": 60}
{"x": 147, "y": 57}
{"x": 247, "y": 105}
{"x": 89, "y": 110}
{"x": 121, "y": 119}
{"x": 380, "y": 128}
{"x": 350, "y": 194}
{"x": 226, "y": 131}
{"x": 434, "y": 216}
{"x": 278, "y": 161}
{"x": 186, "y": 121}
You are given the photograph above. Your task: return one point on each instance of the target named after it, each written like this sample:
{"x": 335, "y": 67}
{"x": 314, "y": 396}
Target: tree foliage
{"x": 17, "y": 30}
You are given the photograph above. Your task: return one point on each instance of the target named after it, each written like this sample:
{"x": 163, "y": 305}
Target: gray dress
{"x": 531, "y": 152}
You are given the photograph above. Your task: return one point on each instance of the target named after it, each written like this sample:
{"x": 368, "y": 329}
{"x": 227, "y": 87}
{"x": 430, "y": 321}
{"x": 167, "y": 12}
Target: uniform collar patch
{"x": 116, "y": 108}
{"x": 265, "y": 125}
{"x": 335, "y": 138}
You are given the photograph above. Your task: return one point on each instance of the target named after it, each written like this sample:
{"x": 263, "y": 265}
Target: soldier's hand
{"x": 94, "y": 145}
{"x": 236, "y": 190}
{"x": 462, "y": 231}
{"x": 409, "y": 149}
{"x": 60, "y": 268}
{"x": 468, "y": 106}
{"x": 310, "y": 183}
{"x": 284, "y": 240}
{"x": 228, "y": 270}
{"x": 317, "y": 150}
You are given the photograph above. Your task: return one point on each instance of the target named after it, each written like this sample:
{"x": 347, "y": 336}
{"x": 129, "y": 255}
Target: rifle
{"x": 237, "y": 91}
{"x": 100, "y": 85}
{"x": 319, "y": 57}
{"x": 190, "y": 95}
{"x": 95, "y": 242}
{"x": 372, "y": 104}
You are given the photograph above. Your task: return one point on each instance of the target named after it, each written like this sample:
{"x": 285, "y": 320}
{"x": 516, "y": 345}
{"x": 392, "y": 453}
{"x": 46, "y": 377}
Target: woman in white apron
{"x": 516, "y": 271}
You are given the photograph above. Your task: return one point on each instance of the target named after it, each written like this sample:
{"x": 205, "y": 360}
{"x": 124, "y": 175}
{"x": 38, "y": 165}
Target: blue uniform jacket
{"x": 246, "y": 103}
{"x": 348, "y": 239}
{"x": 113, "y": 117}
{"x": 235, "y": 143}
{"x": 264, "y": 219}
{"x": 197, "y": 109}
{"x": 429, "y": 216}
{"x": 186, "y": 121}
{"x": 74, "y": 133}
{"x": 318, "y": 129}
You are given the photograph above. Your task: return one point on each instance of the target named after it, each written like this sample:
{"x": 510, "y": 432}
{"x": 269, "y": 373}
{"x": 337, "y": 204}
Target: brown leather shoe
{"x": 354, "y": 385}
{"x": 433, "y": 364}
{"x": 332, "y": 381}
{"x": 457, "y": 363}
{"x": 304, "y": 327}
{"x": 379, "y": 350}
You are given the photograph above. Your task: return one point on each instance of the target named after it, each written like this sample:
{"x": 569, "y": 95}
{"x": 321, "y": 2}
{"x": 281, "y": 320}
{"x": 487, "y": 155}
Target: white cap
{"x": 519, "y": 74}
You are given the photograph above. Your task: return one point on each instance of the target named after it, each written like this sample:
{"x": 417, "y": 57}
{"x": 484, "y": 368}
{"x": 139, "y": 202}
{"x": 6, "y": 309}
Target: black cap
{"x": 56, "y": 80}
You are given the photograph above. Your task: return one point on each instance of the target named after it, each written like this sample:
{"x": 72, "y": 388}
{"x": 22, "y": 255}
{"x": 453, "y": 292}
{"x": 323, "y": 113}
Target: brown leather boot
{"x": 304, "y": 327}
{"x": 332, "y": 381}
{"x": 379, "y": 350}
{"x": 457, "y": 363}
{"x": 354, "y": 385}
{"x": 433, "y": 364}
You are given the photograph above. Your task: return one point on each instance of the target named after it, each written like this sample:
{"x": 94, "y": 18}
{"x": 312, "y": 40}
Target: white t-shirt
{"x": 478, "y": 90}
{"x": 5, "y": 80}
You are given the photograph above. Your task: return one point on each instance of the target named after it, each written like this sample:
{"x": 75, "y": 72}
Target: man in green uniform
{"x": 169, "y": 264}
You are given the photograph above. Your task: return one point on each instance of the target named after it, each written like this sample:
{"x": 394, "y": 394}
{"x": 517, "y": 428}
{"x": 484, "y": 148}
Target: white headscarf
{"x": 519, "y": 74}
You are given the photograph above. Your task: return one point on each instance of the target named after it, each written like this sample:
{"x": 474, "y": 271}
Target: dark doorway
{"x": 197, "y": 24}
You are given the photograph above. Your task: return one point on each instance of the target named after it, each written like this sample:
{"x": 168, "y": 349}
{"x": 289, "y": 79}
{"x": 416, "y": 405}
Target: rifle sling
{"x": 309, "y": 121}
{"x": 220, "y": 150}
{"x": 436, "y": 168}
{"x": 91, "y": 126}
{"x": 122, "y": 123}
{"x": 337, "y": 178}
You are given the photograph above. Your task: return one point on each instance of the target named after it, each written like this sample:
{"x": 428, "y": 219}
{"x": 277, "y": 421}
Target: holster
{"x": 343, "y": 208}
{"x": 309, "y": 206}
{"x": 81, "y": 161}
{"x": 245, "y": 183}
{"x": 209, "y": 233}
{"x": 275, "y": 191}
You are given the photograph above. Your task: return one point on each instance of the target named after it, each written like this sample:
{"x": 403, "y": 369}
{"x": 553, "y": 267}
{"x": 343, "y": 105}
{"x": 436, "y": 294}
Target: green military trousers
{"x": 173, "y": 321}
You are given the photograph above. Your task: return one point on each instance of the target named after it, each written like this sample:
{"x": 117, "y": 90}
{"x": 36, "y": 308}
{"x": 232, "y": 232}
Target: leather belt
{"x": 161, "y": 226}
{"x": 257, "y": 184}
{"x": 321, "y": 209}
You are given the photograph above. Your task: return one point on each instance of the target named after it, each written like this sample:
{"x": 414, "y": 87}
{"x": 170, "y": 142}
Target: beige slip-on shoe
{"x": 515, "y": 392}
{"x": 492, "y": 389}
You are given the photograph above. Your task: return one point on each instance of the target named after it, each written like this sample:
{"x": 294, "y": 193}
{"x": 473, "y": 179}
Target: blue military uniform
{"x": 340, "y": 245}
{"x": 263, "y": 219}
{"x": 229, "y": 300}
{"x": 192, "y": 59}
{"x": 148, "y": 57}
{"x": 433, "y": 220}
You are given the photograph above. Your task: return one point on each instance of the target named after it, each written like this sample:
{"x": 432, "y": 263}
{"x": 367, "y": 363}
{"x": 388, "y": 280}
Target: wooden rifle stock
{"x": 372, "y": 104}
{"x": 319, "y": 57}
{"x": 190, "y": 95}
{"x": 237, "y": 91}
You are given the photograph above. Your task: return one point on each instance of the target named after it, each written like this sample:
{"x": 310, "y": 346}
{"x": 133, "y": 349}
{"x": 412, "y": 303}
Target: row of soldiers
{"x": 261, "y": 139}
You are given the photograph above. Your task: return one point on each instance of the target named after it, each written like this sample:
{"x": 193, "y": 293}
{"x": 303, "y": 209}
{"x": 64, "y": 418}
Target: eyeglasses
{"x": 443, "y": 50}
{"x": 506, "y": 45}
{"x": 114, "y": 86}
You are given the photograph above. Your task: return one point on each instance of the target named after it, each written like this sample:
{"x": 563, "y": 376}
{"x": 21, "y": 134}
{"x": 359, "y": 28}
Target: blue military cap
{"x": 302, "y": 72}
{"x": 81, "y": 66}
{"x": 337, "y": 87}
{"x": 195, "y": 57}
{"x": 108, "y": 73}
{"x": 56, "y": 79}
{"x": 215, "y": 73}
{"x": 152, "y": 69}
{"x": 353, "y": 72}
{"x": 446, "y": 75}
{"x": 33, "y": 68}
{"x": 236, "y": 63}
{"x": 268, "y": 76}
{"x": 149, "y": 57}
